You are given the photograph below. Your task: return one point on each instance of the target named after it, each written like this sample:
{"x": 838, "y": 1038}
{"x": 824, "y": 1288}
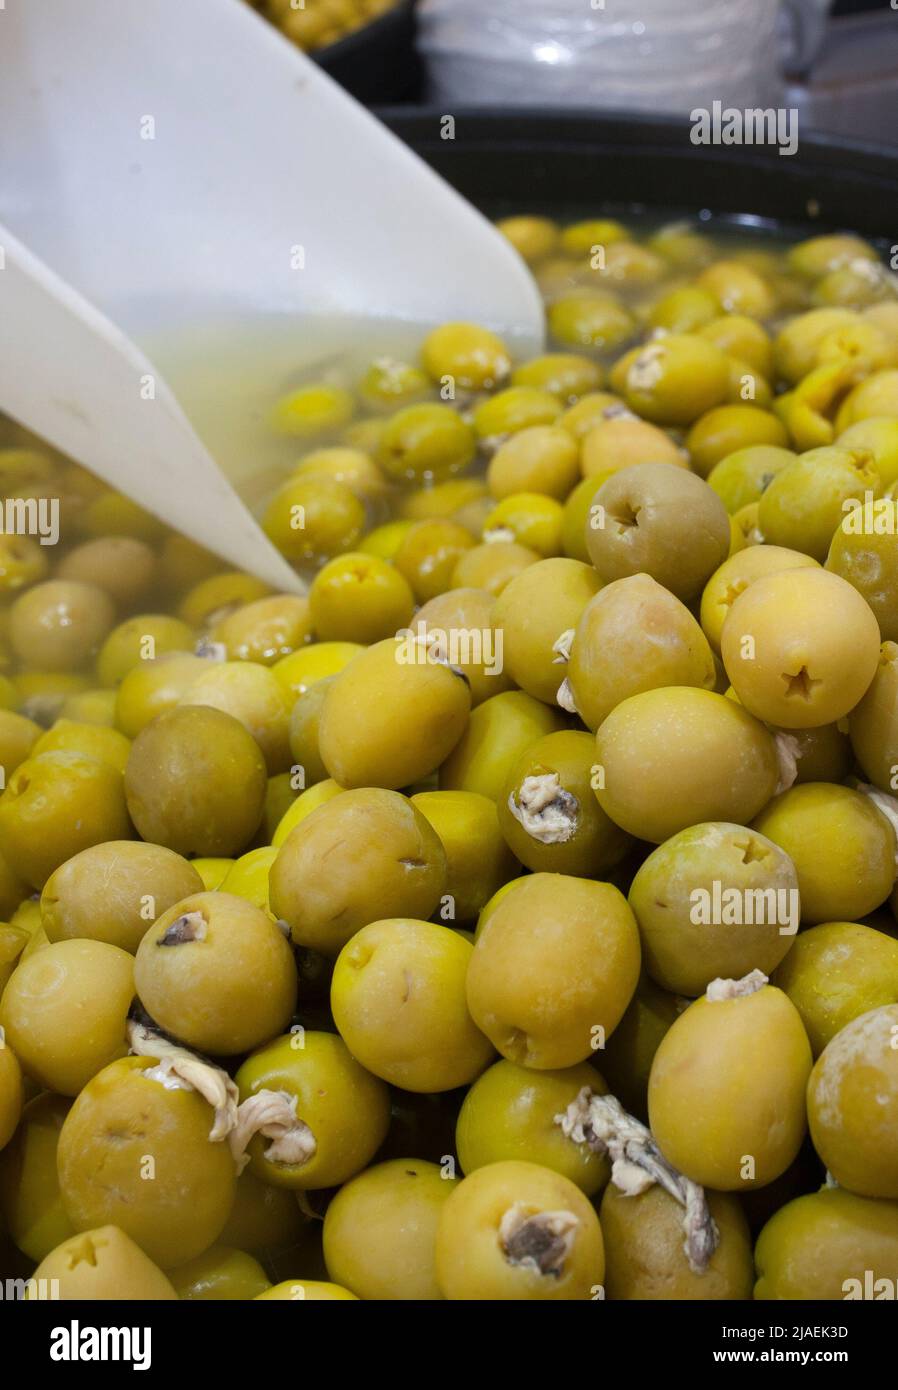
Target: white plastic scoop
{"x": 188, "y": 198}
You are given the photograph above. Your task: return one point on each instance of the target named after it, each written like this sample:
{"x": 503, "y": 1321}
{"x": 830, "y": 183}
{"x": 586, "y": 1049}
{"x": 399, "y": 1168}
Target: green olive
{"x": 124, "y": 567}
{"x": 634, "y": 636}
{"x": 534, "y": 610}
{"x": 425, "y": 442}
{"x": 715, "y": 900}
{"x": 836, "y": 972}
{"x": 140, "y": 639}
{"x": 644, "y": 1254}
{"x": 800, "y": 647}
{"x": 139, "y": 883}
{"x": 216, "y": 972}
{"x": 266, "y": 630}
{"x": 851, "y": 1104}
{"x": 58, "y": 626}
{"x": 104, "y": 1263}
{"x": 590, "y": 319}
{"x": 828, "y": 1246}
{"x": 514, "y": 409}
{"x": 393, "y": 715}
{"x": 380, "y": 1230}
{"x": 472, "y": 356}
{"x": 543, "y": 458}
{"x": 363, "y": 856}
{"x": 55, "y": 805}
{"x": 359, "y": 598}
{"x": 344, "y": 1111}
{"x": 549, "y": 814}
{"x": 398, "y": 999}
{"x": 750, "y": 1045}
{"x": 427, "y": 557}
{"x": 675, "y": 379}
{"x": 498, "y": 731}
{"x": 621, "y": 440}
{"x": 655, "y": 519}
{"x": 863, "y": 551}
{"x": 509, "y": 1113}
{"x": 735, "y": 575}
{"x": 498, "y": 1216}
{"x": 135, "y": 1151}
{"x": 219, "y": 1273}
{"x": 29, "y": 1187}
{"x": 721, "y": 761}
{"x": 842, "y": 847}
{"x": 728, "y": 428}
{"x": 554, "y": 967}
{"x": 196, "y": 782}
{"x": 808, "y": 499}
{"x": 478, "y": 861}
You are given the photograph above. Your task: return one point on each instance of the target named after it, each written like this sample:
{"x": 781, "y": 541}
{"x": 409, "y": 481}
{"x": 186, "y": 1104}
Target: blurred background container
{"x": 836, "y": 60}
{"x": 642, "y": 55}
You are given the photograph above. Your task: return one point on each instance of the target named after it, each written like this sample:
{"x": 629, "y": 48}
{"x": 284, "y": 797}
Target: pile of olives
{"x": 349, "y": 937}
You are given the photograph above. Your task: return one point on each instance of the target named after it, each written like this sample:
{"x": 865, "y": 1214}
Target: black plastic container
{"x": 378, "y": 63}
{"x": 567, "y": 162}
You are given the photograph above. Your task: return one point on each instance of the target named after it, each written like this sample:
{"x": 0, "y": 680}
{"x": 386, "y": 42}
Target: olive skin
{"x": 58, "y": 625}
{"x": 842, "y": 846}
{"x": 389, "y": 719}
{"x": 476, "y": 1255}
{"x": 553, "y": 969}
{"x": 852, "y": 1102}
{"x": 644, "y": 1256}
{"x": 753, "y": 1047}
{"x": 306, "y": 1290}
{"x": 126, "y": 1123}
{"x": 219, "y": 1273}
{"x": 366, "y": 855}
{"x": 657, "y": 519}
{"x": 12, "y": 1094}
{"x": 498, "y": 732}
{"x": 626, "y": 1059}
{"x": 55, "y": 805}
{"x": 196, "y": 782}
{"x": 18, "y": 736}
{"x": 682, "y": 952}
{"x": 873, "y": 723}
{"x": 380, "y": 1230}
{"x": 345, "y": 1107}
{"x": 398, "y": 999}
{"x": 104, "y": 1263}
{"x": 29, "y": 1186}
{"x": 478, "y": 861}
{"x": 140, "y": 882}
{"x": 215, "y": 972}
{"x": 722, "y": 761}
{"x": 533, "y": 611}
{"x": 152, "y": 687}
{"x": 470, "y": 612}
{"x": 735, "y": 575}
{"x": 800, "y": 648}
{"x": 64, "y": 1011}
{"x": 255, "y": 697}
{"x": 834, "y": 973}
{"x": 634, "y": 636}
{"x": 868, "y": 563}
{"x": 509, "y": 1113}
{"x": 572, "y": 835}
{"x": 828, "y": 1246}
{"x": 263, "y": 1219}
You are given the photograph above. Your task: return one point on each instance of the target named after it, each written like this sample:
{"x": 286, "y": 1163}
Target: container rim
{"x": 502, "y": 157}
